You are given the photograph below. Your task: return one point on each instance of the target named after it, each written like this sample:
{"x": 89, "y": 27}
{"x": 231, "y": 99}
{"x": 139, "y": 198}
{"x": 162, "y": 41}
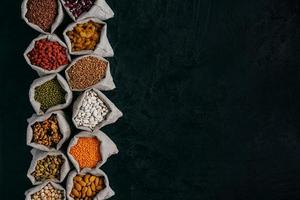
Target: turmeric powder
{"x": 87, "y": 152}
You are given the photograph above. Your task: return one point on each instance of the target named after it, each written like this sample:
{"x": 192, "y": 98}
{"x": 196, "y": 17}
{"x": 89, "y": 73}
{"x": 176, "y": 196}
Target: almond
{"x": 92, "y": 178}
{"x": 97, "y": 181}
{"x": 82, "y": 183}
{"x": 77, "y": 186}
{"x": 93, "y": 187}
{"x": 78, "y": 178}
{"x": 75, "y": 192}
{"x": 89, "y": 192}
{"x": 86, "y": 178}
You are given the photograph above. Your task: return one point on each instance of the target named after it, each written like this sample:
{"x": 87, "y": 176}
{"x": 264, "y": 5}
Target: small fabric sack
{"x": 57, "y": 22}
{"x": 106, "y": 193}
{"x": 107, "y": 83}
{"x": 113, "y": 115}
{"x": 100, "y": 10}
{"x": 38, "y": 188}
{"x": 62, "y": 124}
{"x": 37, "y": 82}
{"x": 38, "y": 69}
{"x": 103, "y": 48}
{"x": 107, "y": 147}
{"x": 39, "y": 155}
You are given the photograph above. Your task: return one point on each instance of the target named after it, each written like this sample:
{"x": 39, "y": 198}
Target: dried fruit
{"x": 85, "y": 36}
{"x": 47, "y": 133}
{"x": 49, "y": 55}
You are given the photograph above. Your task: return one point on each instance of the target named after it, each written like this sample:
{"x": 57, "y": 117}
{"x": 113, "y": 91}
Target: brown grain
{"x": 42, "y": 13}
{"x": 86, "y": 72}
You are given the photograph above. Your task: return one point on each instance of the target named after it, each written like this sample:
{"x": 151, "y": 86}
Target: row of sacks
{"x": 100, "y": 9}
{"x": 107, "y": 148}
{"x": 40, "y": 151}
{"x": 102, "y": 49}
{"x": 113, "y": 113}
{"x": 105, "y": 192}
{"x": 91, "y": 110}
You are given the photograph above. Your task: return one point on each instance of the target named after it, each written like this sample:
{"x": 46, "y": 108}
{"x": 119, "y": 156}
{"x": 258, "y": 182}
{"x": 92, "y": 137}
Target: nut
{"x": 47, "y": 132}
{"x": 91, "y": 188}
{"x": 48, "y": 168}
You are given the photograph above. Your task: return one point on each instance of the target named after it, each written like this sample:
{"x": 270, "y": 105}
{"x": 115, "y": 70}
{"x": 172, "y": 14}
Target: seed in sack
{"x": 78, "y": 7}
{"x": 85, "y": 36}
{"x": 50, "y": 94}
{"x": 92, "y": 111}
{"x": 48, "y": 55}
{"x": 87, "y": 186}
{"x": 48, "y": 168}
{"x": 87, "y": 152}
{"x": 48, "y": 193}
{"x": 42, "y": 13}
{"x": 86, "y": 72}
{"x": 47, "y": 132}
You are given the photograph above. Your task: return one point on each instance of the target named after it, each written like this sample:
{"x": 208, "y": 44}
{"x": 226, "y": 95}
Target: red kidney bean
{"x": 78, "y": 7}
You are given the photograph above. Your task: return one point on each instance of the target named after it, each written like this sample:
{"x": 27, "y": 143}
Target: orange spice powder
{"x": 87, "y": 152}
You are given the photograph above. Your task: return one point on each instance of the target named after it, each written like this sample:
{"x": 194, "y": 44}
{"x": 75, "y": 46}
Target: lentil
{"x": 85, "y": 36}
{"x": 92, "y": 111}
{"x": 42, "y": 13}
{"x": 86, "y": 72}
{"x": 47, "y": 133}
{"x": 87, "y": 186}
{"x": 78, "y": 7}
{"x": 49, "y": 94}
{"x": 48, "y": 193}
{"x": 48, "y": 168}
{"x": 48, "y": 55}
{"x": 87, "y": 152}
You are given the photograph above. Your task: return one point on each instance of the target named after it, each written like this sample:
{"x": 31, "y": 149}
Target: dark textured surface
{"x": 210, "y": 93}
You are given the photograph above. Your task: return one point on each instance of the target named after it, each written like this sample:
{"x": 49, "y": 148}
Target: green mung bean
{"x": 50, "y": 94}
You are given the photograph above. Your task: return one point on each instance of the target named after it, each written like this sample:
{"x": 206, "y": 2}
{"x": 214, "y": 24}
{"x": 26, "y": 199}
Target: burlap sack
{"x": 107, "y": 147}
{"x": 37, "y": 82}
{"x": 110, "y": 118}
{"x": 107, "y": 83}
{"x": 57, "y": 22}
{"x": 38, "y": 188}
{"x": 38, "y": 155}
{"x": 100, "y": 10}
{"x": 103, "y": 48}
{"x": 62, "y": 124}
{"x": 38, "y": 69}
{"x": 106, "y": 193}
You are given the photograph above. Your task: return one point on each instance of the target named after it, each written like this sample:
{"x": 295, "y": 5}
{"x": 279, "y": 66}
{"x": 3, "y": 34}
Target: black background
{"x": 209, "y": 91}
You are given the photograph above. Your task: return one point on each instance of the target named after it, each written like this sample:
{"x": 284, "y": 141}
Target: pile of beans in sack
{"x": 66, "y": 161}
